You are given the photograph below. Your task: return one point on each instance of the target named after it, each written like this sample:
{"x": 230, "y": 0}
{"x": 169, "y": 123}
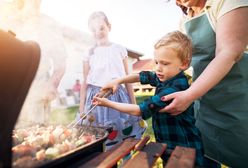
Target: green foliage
{"x": 63, "y": 116}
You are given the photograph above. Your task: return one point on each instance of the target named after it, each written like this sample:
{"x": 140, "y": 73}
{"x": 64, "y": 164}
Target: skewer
{"x": 81, "y": 118}
{"x": 102, "y": 94}
{"x": 75, "y": 122}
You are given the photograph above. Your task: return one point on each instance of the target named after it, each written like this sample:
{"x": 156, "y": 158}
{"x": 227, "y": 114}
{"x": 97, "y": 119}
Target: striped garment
{"x": 179, "y": 130}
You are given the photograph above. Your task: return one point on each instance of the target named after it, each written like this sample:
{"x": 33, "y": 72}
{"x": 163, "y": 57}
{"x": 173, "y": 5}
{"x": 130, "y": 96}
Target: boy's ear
{"x": 184, "y": 66}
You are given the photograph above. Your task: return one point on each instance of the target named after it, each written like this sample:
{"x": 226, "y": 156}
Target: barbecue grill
{"x": 18, "y": 65}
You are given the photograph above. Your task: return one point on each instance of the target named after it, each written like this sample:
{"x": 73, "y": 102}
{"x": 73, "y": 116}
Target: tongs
{"x": 101, "y": 94}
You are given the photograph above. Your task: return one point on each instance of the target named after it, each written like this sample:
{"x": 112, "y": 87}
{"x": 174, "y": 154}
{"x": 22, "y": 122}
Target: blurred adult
{"x": 219, "y": 31}
{"x": 76, "y": 90}
{"x": 23, "y": 17}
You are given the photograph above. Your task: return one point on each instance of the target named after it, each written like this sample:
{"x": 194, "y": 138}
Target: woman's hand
{"x": 180, "y": 102}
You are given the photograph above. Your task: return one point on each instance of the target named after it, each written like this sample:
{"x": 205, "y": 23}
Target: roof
{"x": 143, "y": 65}
{"x": 134, "y": 54}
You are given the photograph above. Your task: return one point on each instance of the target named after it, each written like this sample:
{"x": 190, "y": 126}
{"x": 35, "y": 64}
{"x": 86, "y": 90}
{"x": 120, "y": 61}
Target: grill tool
{"x": 102, "y": 94}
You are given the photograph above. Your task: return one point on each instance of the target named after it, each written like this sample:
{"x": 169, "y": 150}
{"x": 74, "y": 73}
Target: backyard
{"x": 65, "y": 116}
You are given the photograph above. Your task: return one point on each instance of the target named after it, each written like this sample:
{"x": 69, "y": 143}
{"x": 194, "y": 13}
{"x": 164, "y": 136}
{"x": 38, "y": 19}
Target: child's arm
{"x": 127, "y": 79}
{"x": 132, "y": 109}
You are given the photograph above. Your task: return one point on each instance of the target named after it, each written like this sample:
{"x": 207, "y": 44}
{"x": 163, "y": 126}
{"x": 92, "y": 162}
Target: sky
{"x": 136, "y": 24}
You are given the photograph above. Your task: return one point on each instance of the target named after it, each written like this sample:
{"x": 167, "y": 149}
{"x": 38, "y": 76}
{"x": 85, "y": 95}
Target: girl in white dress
{"x": 104, "y": 62}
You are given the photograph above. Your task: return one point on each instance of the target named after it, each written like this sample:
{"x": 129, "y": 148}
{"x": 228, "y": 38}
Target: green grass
{"x": 63, "y": 116}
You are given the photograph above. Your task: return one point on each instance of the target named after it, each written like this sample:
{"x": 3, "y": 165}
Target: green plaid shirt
{"x": 179, "y": 130}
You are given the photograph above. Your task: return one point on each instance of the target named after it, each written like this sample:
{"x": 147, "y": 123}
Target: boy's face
{"x": 167, "y": 63}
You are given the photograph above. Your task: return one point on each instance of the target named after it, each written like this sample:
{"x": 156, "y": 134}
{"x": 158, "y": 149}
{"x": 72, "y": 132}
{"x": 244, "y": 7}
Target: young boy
{"x": 172, "y": 56}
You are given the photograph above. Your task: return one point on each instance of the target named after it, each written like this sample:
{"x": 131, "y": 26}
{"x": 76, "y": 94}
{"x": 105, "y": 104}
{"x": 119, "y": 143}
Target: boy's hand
{"x": 100, "y": 101}
{"x": 111, "y": 85}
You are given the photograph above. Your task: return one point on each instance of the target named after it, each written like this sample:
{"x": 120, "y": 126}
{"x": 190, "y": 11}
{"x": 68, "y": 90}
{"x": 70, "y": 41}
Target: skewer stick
{"x": 81, "y": 118}
{"x": 101, "y": 94}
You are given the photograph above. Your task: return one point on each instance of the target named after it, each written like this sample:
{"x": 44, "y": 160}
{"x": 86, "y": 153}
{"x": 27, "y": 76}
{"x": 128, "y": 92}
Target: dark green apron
{"x": 222, "y": 113}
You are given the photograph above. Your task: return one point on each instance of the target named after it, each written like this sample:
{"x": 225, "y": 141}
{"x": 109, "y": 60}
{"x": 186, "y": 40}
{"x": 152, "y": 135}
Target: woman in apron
{"x": 219, "y": 31}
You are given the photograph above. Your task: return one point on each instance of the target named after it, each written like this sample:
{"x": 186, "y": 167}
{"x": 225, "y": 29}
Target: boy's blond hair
{"x": 179, "y": 42}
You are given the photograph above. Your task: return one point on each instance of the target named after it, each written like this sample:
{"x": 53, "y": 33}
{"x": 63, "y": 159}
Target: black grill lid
{"x": 18, "y": 64}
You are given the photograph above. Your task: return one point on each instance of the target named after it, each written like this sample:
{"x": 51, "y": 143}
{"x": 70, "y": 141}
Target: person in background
{"x": 172, "y": 56}
{"x": 76, "y": 90}
{"x": 23, "y": 17}
{"x": 219, "y": 31}
{"x": 103, "y": 62}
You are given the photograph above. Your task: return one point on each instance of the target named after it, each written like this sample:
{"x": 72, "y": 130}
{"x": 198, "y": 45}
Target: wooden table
{"x": 144, "y": 154}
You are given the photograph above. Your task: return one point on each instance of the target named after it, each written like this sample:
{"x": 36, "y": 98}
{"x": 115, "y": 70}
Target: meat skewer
{"x": 39, "y": 144}
{"x": 101, "y": 94}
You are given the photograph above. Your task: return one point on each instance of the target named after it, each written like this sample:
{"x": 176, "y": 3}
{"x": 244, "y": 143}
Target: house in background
{"x": 143, "y": 90}
{"x": 133, "y": 57}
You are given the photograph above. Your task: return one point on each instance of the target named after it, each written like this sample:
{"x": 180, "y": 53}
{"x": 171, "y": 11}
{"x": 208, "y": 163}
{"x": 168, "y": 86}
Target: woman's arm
{"x": 129, "y": 86}
{"x": 83, "y": 89}
{"x": 51, "y": 86}
{"x": 231, "y": 41}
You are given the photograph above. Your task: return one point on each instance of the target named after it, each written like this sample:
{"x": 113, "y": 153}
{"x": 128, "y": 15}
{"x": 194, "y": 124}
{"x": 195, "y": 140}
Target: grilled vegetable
{"x": 51, "y": 153}
{"x": 80, "y": 142}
